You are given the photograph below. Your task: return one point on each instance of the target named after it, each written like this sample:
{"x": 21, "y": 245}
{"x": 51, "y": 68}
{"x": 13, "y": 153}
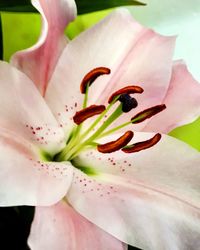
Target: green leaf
{"x": 16, "y": 6}
{"x": 84, "y": 6}
{"x": 1, "y": 40}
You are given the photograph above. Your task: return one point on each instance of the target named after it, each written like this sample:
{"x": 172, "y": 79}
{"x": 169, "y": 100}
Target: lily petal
{"x": 24, "y": 180}
{"x": 24, "y": 111}
{"x": 61, "y": 227}
{"x": 182, "y": 101}
{"x": 152, "y": 196}
{"x": 38, "y": 62}
{"x": 129, "y": 57}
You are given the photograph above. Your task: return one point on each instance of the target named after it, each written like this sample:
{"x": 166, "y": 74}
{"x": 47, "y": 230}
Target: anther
{"x": 136, "y": 147}
{"x": 90, "y": 77}
{"x": 88, "y": 112}
{"x": 147, "y": 113}
{"x": 117, "y": 144}
{"x": 128, "y": 102}
{"x": 126, "y": 90}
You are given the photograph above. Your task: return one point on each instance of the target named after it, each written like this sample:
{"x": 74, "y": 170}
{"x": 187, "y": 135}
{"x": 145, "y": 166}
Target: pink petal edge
{"x": 38, "y": 62}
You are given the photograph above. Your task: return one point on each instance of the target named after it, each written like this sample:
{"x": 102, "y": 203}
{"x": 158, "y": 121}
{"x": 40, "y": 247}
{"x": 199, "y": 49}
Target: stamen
{"x": 117, "y": 144}
{"x": 92, "y": 76}
{"x": 142, "y": 145}
{"x": 88, "y": 112}
{"x": 126, "y": 90}
{"x": 147, "y": 113}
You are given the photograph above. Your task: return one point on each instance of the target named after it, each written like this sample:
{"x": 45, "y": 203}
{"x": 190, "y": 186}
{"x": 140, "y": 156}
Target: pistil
{"x": 139, "y": 117}
{"x": 76, "y": 149}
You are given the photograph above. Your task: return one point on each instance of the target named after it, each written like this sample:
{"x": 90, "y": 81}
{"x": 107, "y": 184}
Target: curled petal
{"x": 60, "y": 227}
{"x": 182, "y": 101}
{"x": 38, "y": 62}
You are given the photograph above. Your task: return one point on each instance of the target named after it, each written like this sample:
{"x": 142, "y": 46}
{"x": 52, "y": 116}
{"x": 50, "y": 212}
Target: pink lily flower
{"x": 92, "y": 191}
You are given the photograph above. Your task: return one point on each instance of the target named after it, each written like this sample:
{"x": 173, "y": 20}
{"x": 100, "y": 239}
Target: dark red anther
{"x": 90, "y": 77}
{"x": 136, "y": 147}
{"x": 126, "y": 90}
{"x": 148, "y": 113}
{"x": 117, "y": 144}
{"x": 88, "y": 112}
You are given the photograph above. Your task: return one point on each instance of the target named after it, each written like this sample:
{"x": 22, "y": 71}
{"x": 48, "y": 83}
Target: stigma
{"x": 128, "y": 102}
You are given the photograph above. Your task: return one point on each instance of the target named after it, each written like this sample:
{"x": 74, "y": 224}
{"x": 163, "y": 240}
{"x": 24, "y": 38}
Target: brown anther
{"x": 117, "y": 144}
{"x": 136, "y": 147}
{"x": 126, "y": 90}
{"x": 88, "y": 112}
{"x": 90, "y": 77}
{"x": 147, "y": 113}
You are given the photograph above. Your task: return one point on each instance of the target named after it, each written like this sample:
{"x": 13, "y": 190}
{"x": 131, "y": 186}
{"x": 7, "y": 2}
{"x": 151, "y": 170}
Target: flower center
{"x": 81, "y": 139}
